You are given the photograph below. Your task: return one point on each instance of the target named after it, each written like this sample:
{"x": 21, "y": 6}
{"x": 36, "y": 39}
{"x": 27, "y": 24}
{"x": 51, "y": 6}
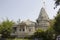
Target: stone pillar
{"x": 25, "y": 28}
{"x": 18, "y": 28}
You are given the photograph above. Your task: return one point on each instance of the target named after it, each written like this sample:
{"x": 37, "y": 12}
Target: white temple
{"x": 27, "y": 28}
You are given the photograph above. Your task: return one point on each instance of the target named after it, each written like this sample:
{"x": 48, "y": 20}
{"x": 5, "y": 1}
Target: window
{"x": 20, "y": 29}
{"x": 23, "y": 29}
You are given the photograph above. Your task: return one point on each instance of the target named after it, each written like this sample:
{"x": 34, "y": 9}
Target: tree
{"x": 39, "y": 34}
{"x": 49, "y": 34}
{"x": 6, "y": 28}
{"x": 56, "y": 25}
{"x": 45, "y": 35}
{"x": 57, "y": 2}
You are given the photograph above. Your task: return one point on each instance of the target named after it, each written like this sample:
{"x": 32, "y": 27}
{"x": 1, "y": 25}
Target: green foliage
{"x": 49, "y": 34}
{"x": 45, "y": 35}
{"x": 39, "y": 33}
{"x": 6, "y": 28}
{"x": 56, "y": 25}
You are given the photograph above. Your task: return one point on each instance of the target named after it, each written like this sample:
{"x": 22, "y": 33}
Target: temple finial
{"x": 43, "y": 3}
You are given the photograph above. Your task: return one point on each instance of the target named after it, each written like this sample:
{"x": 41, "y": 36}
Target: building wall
{"x": 23, "y": 31}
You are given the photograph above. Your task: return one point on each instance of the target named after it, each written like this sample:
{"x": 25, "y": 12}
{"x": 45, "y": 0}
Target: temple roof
{"x": 29, "y": 22}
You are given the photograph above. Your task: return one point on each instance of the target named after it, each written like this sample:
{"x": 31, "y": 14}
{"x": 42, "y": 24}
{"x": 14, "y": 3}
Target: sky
{"x": 25, "y": 9}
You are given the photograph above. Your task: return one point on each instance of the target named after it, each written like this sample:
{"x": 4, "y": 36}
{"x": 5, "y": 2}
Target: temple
{"x": 27, "y": 28}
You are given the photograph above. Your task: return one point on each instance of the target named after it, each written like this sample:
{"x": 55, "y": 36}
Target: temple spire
{"x": 43, "y": 19}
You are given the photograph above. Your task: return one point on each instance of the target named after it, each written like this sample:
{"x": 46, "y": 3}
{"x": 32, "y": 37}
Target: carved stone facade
{"x": 27, "y": 28}
{"x": 24, "y": 29}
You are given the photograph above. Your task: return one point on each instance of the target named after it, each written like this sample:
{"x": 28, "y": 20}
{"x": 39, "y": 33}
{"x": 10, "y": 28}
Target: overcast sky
{"x": 25, "y": 9}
